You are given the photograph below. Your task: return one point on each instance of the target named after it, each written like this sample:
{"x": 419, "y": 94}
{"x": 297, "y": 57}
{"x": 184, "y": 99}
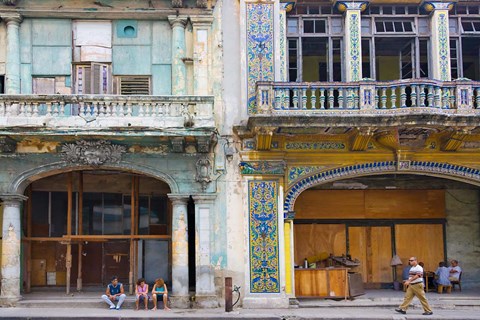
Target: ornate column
{"x": 11, "y": 240}
{"x": 201, "y": 53}
{"x": 179, "y": 72}
{"x": 180, "y": 297}
{"x": 12, "y": 68}
{"x": 205, "y": 296}
{"x": 440, "y": 39}
{"x": 352, "y": 40}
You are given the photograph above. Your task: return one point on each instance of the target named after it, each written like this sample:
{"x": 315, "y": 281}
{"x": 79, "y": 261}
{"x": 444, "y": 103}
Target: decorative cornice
{"x": 431, "y": 6}
{"x": 178, "y": 144}
{"x": 262, "y": 167}
{"x": 92, "y": 153}
{"x": 12, "y": 199}
{"x": 343, "y": 6}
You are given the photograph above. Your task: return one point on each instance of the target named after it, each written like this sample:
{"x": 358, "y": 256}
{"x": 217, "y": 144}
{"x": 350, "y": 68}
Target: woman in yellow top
{"x": 160, "y": 289}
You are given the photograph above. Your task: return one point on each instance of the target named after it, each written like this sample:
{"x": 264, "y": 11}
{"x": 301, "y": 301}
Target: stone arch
{"x": 23, "y": 179}
{"x": 428, "y": 168}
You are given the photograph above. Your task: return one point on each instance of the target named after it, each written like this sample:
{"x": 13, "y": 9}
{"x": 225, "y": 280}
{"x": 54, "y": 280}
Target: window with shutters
{"x": 94, "y": 78}
{"x": 132, "y": 85}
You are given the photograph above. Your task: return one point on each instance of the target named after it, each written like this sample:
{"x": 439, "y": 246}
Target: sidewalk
{"x": 375, "y": 304}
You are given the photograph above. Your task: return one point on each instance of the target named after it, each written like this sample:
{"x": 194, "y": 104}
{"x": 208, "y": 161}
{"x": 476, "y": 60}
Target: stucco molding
{"x": 12, "y": 199}
{"x": 92, "y": 153}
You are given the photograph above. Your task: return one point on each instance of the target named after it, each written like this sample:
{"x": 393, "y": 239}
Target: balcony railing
{"x": 403, "y": 96}
{"x": 106, "y": 111}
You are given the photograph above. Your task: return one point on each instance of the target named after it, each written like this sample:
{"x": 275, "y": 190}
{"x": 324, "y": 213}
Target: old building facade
{"x": 236, "y": 138}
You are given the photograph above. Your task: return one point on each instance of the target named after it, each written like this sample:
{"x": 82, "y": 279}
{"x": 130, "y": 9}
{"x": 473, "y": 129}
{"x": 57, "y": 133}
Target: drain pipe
{"x": 228, "y": 294}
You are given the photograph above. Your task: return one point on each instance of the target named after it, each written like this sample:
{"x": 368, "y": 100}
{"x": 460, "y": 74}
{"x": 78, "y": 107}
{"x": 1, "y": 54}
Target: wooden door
{"x": 373, "y": 247}
{"x": 39, "y": 272}
{"x": 117, "y": 260}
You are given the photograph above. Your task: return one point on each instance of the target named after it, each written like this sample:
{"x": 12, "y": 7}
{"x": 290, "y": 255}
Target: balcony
{"x": 74, "y": 114}
{"x": 367, "y": 103}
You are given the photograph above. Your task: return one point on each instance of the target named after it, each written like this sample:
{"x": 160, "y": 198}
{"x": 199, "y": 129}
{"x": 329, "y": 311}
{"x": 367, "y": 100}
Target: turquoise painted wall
{"x": 161, "y": 58}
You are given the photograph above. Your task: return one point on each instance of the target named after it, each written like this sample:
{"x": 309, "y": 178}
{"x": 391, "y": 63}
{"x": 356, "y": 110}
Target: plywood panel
{"x": 337, "y": 279}
{"x": 310, "y": 283}
{"x": 313, "y": 239}
{"x": 45, "y": 250}
{"x": 381, "y": 254}
{"x": 330, "y": 204}
{"x": 424, "y": 241}
{"x": 39, "y": 272}
{"x": 404, "y": 204}
{"x": 358, "y": 245}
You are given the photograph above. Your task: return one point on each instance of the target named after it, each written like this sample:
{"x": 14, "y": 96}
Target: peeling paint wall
{"x": 3, "y": 47}
{"x": 463, "y": 233}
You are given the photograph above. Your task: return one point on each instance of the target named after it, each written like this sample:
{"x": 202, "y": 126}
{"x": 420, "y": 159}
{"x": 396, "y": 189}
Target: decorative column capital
{"x": 431, "y": 6}
{"x": 178, "y": 198}
{"x": 201, "y": 20}
{"x": 11, "y": 18}
{"x": 177, "y": 21}
{"x": 204, "y": 198}
{"x": 344, "y": 6}
{"x": 12, "y": 199}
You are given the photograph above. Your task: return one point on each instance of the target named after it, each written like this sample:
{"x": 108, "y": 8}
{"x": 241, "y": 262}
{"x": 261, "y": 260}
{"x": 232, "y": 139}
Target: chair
{"x": 457, "y": 282}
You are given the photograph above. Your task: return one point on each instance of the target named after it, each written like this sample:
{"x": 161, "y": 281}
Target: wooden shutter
{"x": 133, "y": 85}
{"x": 93, "y": 79}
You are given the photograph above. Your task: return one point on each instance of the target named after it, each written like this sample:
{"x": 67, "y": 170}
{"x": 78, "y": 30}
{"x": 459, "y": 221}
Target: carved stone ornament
{"x": 201, "y": 3}
{"x": 177, "y": 3}
{"x": 93, "y": 153}
{"x": 204, "y": 172}
{"x": 10, "y": 2}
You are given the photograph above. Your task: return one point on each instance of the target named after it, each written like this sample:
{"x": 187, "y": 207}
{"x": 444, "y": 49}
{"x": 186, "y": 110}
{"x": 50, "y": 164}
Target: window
{"x": 2, "y": 84}
{"x": 471, "y": 26}
{"x": 133, "y": 85}
{"x": 94, "y": 78}
{"x": 394, "y": 26}
{"x": 314, "y": 26}
{"x": 292, "y": 26}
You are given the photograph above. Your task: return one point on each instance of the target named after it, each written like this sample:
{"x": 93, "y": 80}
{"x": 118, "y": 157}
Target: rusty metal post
{"x": 228, "y": 294}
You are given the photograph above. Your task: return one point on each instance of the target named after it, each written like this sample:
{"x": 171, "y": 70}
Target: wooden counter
{"x": 321, "y": 283}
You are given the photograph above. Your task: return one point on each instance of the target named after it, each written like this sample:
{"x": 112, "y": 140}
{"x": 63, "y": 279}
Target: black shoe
{"x": 427, "y": 313}
{"x": 401, "y": 311}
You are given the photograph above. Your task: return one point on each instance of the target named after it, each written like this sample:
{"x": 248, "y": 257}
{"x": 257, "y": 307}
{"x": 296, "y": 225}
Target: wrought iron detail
{"x": 93, "y": 153}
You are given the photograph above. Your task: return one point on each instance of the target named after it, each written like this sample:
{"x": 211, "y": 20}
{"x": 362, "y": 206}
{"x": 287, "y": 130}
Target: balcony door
{"x": 407, "y": 60}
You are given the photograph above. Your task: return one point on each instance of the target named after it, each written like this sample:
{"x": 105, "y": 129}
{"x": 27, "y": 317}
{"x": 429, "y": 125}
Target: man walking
{"x": 415, "y": 288}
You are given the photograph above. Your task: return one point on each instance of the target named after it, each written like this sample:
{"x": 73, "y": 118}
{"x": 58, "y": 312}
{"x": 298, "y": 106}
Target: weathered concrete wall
{"x": 3, "y": 47}
{"x": 463, "y": 233}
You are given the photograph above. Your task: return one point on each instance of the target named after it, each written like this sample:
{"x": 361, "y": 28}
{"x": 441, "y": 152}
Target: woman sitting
{"x": 160, "y": 290}
{"x": 141, "y": 293}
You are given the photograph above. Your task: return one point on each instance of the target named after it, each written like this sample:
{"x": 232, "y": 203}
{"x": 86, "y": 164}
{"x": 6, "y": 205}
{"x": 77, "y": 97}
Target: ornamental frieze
{"x": 93, "y": 153}
{"x": 327, "y": 145}
{"x": 296, "y": 172}
{"x": 263, "y": 167}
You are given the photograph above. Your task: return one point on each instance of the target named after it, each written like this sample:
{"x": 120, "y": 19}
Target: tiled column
{"x": 201, "y": 54}
{"x": 179, "y": 71}
{"x": 11, "y": 239}
{"x": 12, "y": 68}
{"x": 205, "y": 289}
{"x": 352, "y": 40}
{"x": 180, "y": 291}
{"x": 440, "y": 39}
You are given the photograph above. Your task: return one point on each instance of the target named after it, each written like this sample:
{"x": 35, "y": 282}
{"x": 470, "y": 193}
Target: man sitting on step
{"x": 114, "y": 293}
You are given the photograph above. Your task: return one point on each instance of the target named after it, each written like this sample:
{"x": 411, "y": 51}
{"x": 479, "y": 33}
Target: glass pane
{"x": 40, "y": 225}
{"x": 326, "y": 10}
{"x": 308, "y": 26}
{"x": 461, "y": 9}
{"x": 472, "y": 10}
{"x": 387, "y": 10}
{"x": 467, "y": 26}
{"x": 476, "y": 26}
{"x": 320, "y": 26}
{"x": 374, "y": 10}
{"x": 388, "y": 26}
{"x": 400, "y": 10}
{"x": 379, "y": 26}
{"x": 112, "y": 213}
{"x": 313, "y": 10}
{"x": 127, "y": 214}
{"x": 292, "y": 25}
{"x": 398, "y": 26}
{"x": 366, "y": 26}
{"x": 337, "y": 25}
{"x": 158, "y": 210}
{"x": 143, "y": 213}
{"x": 453, "y": 26}
{"x": 408, "y": 26}
{"x": 412, "y": 10}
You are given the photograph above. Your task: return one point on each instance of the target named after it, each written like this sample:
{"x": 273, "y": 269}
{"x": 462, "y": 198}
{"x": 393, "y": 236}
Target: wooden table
{"x": 322, "y": 283}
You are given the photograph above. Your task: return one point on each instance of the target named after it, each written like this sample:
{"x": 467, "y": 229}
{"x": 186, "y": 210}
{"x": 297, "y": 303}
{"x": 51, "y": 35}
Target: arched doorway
{"x": 83, "y": 227}
{"x": 372, "y": 218}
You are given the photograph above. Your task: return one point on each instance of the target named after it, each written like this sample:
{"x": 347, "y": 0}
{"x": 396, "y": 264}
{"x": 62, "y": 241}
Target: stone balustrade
{"x": 402, "y": 96}
{"x": 106, "y": 111}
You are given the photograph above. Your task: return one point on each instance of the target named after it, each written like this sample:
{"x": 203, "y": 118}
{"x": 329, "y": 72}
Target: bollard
{"x": 228, "y": 294}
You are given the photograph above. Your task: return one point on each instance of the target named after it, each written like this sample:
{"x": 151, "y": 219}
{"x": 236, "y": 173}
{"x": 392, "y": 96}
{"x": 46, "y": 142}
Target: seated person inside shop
{"x": 442, "y": 274}
{"x": 454, "y": 270}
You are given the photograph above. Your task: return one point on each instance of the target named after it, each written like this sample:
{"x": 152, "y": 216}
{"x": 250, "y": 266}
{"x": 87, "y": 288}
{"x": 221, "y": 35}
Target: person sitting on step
{"x": 114, "y": 293}
{"x": 160, "y": 291}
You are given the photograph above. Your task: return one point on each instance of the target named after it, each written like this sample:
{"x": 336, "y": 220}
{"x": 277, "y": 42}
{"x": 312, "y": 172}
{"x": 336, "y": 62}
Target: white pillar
{"x": 12, "y": 68}
{"x": 179, "y": 70}
{"x": 11, "y": 240}
{"x": 180, "y": 290}
{"x": 352, "y": 40}
{"x": 205, "y": 288}
{"x": 201, "y": 54}
{"x": 440, "y": 39}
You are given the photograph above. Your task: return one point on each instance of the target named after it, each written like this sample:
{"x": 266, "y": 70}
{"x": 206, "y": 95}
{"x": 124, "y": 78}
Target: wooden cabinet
{"x": 322, "y": 283}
